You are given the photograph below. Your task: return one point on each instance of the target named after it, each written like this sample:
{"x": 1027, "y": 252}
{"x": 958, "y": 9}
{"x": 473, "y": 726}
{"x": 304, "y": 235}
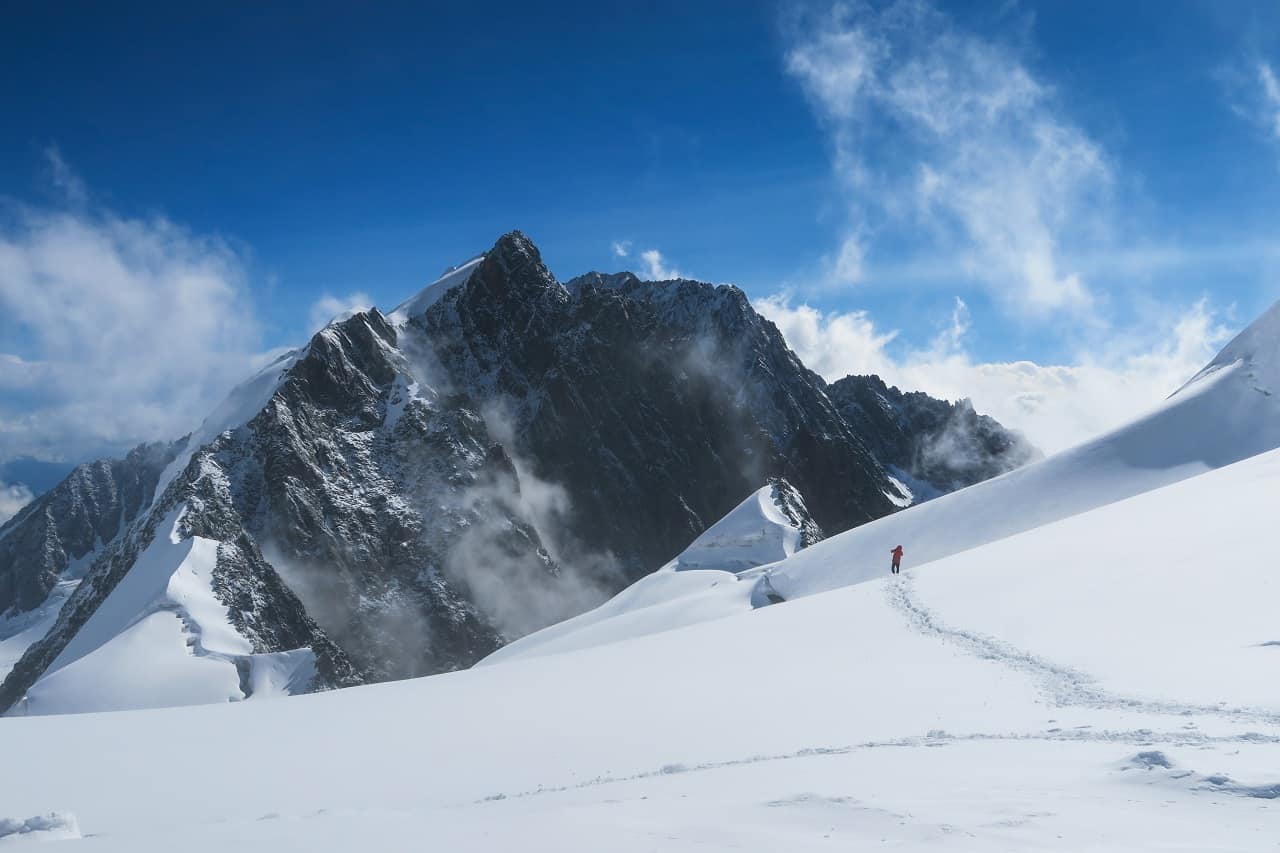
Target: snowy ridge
{"x": 240, "y": 406}
{"x": 1257, "y": 348}
{"x": 18, "y": 631}
{"x": 431, "y": 294}
{"x": 160, "y": 638}
{"x": 701, "y": 583}
{"x": 754, "y": 533}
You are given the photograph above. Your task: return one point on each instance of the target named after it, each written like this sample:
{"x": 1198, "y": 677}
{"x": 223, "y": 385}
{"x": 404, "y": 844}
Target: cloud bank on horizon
{"x": 1056, "y": 406}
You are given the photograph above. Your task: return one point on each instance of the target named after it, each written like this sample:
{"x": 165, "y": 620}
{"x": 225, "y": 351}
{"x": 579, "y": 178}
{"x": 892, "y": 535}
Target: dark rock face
{"x": 791, "y": 504}
{"x": 86, "y": 510}
{"x": 362, "y": 493}
{"x": 945, "y": 446}
{"x": 657, "y": 406}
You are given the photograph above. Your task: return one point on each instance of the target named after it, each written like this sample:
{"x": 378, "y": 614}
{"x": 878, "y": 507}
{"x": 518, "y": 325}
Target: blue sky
{"x": 1057, "y": 208}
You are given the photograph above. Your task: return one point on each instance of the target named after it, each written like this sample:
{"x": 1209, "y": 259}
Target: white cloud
{"x": 64, "y": 178}
{"x": 848, "y": 267}
{"x": 1270, "y": 97}
{"x": 328, "y": 308}
{"x": 1253, "y": 91}
{"x": 658, "y": 268}
{"x": 122, "y": 329}
{"x": 943, "y": 136}
{"x": 1055, "y": 405}
{"x": 13, "y": 498}
{"x": 621, "y": 248}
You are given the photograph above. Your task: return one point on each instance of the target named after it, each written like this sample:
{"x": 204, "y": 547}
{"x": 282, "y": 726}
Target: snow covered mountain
{"x": 410, "y": 491}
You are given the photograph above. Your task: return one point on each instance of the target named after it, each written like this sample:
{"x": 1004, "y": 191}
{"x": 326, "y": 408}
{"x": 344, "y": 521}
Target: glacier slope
{"x": 1019, "y": 697}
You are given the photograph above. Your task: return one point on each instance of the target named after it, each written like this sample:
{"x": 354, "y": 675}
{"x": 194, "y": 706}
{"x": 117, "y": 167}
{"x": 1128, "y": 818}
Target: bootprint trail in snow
{"x": 1065, "y": 686}
{"x": 1139, "y": 737}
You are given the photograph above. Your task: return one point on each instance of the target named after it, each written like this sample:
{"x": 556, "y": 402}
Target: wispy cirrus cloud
{"x": 117, "y": 329}
{"x": 947, "y": 139}
{"x": 1253, "y": 93}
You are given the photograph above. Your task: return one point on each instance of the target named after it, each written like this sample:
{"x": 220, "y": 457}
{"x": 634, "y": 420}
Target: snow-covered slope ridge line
{"x": 770, "y": 525}
{"x": 241, "y": 404}
{"x": 1257, "y": 348}
{"x": 160, "y": 638}
{"x": 1229, "y": 412}
{"x": 429, "y": 295}
{"x": 701, "y": 583}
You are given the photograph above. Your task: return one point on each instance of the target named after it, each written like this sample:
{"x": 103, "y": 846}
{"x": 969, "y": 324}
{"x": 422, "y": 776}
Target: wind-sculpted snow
{"x": 46, "y": 827}
{"x": 431, "y": 294}
{"x": 770, "y": 525}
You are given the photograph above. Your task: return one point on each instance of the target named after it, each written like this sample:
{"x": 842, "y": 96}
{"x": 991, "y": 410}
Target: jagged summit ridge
{"x": 934, "y": 446}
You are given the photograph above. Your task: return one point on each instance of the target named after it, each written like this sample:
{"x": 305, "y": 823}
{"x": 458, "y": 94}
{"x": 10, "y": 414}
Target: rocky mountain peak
{"x": 411, "y": 491}
{"x": 513, "y": 271}
{"x": 931, "y": 445}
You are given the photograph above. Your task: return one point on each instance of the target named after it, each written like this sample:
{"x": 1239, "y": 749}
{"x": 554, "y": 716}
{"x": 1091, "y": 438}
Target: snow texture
{"x": 961, "y": 706}
{"x": 53, "y": 826}
{"x": 754, "y": 533}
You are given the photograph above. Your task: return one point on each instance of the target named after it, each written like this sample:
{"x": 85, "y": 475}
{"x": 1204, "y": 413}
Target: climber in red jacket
{"x": 897, "y": 558}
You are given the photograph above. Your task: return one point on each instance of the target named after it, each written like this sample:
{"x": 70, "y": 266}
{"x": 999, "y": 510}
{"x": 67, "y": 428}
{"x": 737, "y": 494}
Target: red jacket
{"x": 897, "y": 552}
